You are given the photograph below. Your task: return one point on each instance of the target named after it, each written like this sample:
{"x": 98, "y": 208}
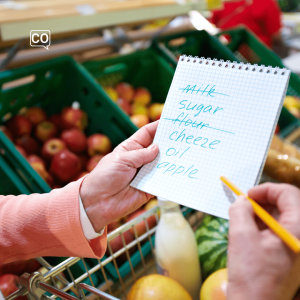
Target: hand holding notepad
{"x": 218, "y": 119}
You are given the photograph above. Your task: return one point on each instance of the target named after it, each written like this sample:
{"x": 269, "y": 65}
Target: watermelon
{"x": 212, "y": 241}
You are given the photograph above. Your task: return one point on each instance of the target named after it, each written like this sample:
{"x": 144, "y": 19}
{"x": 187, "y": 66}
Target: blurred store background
{"x": 96, "y": 29}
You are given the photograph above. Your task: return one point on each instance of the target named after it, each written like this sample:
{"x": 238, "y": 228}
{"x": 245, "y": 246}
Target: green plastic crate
{"x": 143, "y": 68}
{"x": 55, "y": 84}
{"x": 194, "y": 43}
{"x": 11, "y": 182}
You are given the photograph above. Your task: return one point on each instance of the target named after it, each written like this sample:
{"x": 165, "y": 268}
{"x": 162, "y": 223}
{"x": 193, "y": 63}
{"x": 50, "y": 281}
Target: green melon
{"x": 212, "y": 241}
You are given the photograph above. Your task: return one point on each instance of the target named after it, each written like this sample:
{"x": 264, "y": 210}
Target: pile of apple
{"x": 56, "y": 147}
{"x": 136, "y": 103}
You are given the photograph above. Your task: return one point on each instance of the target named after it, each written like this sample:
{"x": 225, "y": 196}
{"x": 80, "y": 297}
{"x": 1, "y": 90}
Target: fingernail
{"x": 152, "y": 146}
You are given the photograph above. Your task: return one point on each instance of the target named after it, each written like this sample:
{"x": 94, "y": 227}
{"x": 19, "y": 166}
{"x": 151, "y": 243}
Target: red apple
{"x": 139, "y": 120}
{"x": 93, "y": 162}
{"x": 141, "y": 227}
{"x": 45, "y": 130}
{"x": 142, "y": 96}
{"x": 125, "y": 91}
{"x": 40, "y": 169}
{"x": 83, "y": 161}
{"x": 75, "y": 140}
{"x": 56, "y": 120}
{"x": 116, "y": 244}
{"x": 80, "y": 175}
{"x": 35, "y": 115}
{"x": 29, "y": 144}
{"x": 113, "y": 225}
{"x": 5, "y": 130}
{"x": 34, "y": 158}
{"x": 50, "y": 180}
{"x": 124, "y": 105}
{"x": 9, "y": 283}
{"x": 19, "y": 125}
{"x": 155, "y": 111}
{"x": 65, "y": 165}
{"x": 52, "y": 147}
{"x": 98, "y": 144}
{"x": 21, "y": 150}
{"x": 20, "y": 266}
{"x": 74, "y": 118}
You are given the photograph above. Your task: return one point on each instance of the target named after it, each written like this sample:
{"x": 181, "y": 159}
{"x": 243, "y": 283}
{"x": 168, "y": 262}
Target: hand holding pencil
{"x": 288, "y": 238}
{"x": 260, "y": 265}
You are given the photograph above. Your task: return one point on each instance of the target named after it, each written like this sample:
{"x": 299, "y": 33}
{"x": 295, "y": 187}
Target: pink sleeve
{"x": 45, "y": 225}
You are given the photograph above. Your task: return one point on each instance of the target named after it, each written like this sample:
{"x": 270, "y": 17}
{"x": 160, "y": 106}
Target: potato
{"x": 290, "y": 150}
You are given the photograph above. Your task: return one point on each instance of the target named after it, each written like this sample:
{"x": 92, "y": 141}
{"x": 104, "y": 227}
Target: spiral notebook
{"x": 218, "y": 120}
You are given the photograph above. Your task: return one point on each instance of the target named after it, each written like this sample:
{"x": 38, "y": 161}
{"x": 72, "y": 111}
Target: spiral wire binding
{"x": 233, "y": 65}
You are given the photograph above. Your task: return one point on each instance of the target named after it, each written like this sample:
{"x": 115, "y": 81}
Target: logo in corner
{"x": 40, "y": 38}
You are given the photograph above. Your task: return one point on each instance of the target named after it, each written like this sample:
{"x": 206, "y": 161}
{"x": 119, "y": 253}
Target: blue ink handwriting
{"x": 175, "y": 136}
{"x": 172, "y": 152}
{"x": 168, "y": 167}
{"x": 199, "y": 108}
{"x": 209, "y": 90}
{"x": 193, "y": 123}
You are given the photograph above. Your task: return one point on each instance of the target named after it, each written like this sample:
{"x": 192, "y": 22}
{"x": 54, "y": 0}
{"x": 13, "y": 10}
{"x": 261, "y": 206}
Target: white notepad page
{"x": 218, "y": 120}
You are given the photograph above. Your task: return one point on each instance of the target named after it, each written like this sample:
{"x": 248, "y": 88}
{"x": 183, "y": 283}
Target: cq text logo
{"x": 40, "y": 38}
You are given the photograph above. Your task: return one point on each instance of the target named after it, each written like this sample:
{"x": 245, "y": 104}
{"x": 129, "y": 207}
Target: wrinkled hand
{"x": 260, "y": 265}
{"x": 105, "y": 192}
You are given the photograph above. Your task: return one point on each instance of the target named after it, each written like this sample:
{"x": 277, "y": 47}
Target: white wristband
{"x": 86, "y": 224}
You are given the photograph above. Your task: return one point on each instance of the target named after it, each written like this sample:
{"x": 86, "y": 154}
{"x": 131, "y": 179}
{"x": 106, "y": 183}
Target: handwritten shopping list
{"x": 218, "y": 119}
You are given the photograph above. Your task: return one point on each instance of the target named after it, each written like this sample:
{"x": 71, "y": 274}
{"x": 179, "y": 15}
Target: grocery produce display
{"x": 136, "y": 102}
{"x": 138, "y": 82}
{"x": 283, "y": 162}
{"x": 212, "y": 241}
{"x": 56, "y": 146}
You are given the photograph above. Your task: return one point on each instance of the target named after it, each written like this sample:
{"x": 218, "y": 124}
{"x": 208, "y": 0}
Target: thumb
{"x": 140, "y": 157}
{"x": 242, "y": 222}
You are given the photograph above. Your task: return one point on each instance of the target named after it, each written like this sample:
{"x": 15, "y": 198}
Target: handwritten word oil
{"x": 176, "y": 249}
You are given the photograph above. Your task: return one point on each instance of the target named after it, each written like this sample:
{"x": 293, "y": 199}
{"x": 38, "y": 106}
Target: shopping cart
{"x": 54, "y": 284}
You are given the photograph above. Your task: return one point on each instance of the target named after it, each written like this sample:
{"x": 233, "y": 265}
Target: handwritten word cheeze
{"x": 190, "y": 139}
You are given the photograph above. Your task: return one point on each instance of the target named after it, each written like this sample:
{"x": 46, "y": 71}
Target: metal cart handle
{"x": 36, "y": 286}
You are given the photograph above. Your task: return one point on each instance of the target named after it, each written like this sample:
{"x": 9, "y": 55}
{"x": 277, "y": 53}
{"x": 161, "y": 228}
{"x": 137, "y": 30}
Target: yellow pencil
{"x": 289, "y": 239}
